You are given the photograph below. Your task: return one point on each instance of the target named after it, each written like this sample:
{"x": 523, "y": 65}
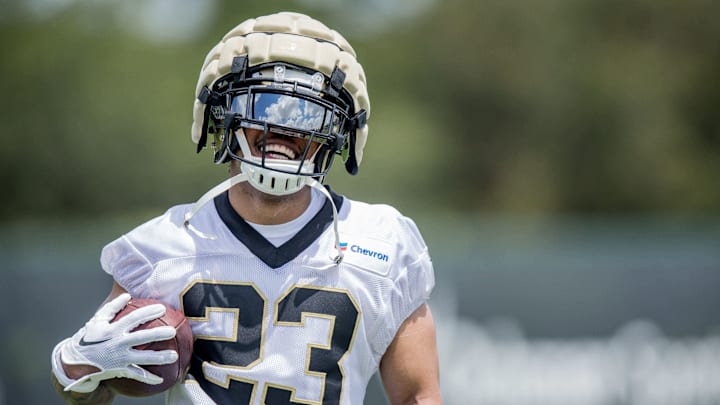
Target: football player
{"x": 295, "y": 294}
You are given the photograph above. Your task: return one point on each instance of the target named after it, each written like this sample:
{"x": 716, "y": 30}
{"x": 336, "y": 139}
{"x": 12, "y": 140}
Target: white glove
{"x": 109, "y": 346}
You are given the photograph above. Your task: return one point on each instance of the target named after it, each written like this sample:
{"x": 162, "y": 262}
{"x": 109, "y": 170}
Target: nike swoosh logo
{"x": 83, "y": 342}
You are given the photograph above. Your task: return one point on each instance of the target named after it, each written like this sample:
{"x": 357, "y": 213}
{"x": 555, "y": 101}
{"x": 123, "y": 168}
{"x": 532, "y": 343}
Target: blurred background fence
{"x": 561, "y": 157}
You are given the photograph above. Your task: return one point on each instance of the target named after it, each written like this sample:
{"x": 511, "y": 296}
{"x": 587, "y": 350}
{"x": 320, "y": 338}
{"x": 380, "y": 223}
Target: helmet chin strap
{"x": 239, "y": 178}
{"x": 209, "y": 195}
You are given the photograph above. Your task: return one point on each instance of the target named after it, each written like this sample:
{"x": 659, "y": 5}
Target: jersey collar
{"x": 276, "y": 256}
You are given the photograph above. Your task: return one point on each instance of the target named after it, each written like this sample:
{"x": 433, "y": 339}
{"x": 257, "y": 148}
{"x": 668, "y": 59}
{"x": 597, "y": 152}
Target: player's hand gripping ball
{"x": 182, "y": 343}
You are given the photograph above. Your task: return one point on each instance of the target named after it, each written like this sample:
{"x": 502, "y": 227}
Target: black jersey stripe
{"x": 276, "y": 256}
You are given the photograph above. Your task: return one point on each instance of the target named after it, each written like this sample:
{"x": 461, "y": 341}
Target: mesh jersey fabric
{"x": 308, "y": 331}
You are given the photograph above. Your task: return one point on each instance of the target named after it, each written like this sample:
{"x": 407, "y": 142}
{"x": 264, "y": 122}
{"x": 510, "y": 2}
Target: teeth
{"x": 278, "y": 151}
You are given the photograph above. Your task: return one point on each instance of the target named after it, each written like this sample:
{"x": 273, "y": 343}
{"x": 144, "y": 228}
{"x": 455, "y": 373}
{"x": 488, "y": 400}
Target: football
{"x": 182, "y": 343}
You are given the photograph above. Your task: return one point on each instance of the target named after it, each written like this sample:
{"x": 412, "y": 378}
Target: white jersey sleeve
{"x": 132, "y": 258}
{"x": 389, "y": 247}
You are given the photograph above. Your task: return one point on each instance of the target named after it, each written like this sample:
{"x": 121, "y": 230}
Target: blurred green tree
{"x": 521, "y": 106}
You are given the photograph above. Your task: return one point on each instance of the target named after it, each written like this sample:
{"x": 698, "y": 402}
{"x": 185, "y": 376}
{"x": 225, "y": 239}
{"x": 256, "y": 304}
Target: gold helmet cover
{"x": 284, "y": 73}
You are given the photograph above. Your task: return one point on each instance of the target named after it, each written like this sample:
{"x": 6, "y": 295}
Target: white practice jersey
{"x": 279, "y": 325}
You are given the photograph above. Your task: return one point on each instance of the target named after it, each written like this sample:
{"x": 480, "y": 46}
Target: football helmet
{"x": 284, "y": 95}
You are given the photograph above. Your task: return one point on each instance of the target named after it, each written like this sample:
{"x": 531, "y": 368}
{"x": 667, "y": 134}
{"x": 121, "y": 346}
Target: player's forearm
{"x": 433, "y": 398}
{"x": 101, "y": 396}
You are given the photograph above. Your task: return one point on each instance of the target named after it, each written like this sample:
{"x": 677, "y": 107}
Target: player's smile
{"x": 278, "y": 151}
{"x": 277, "y": 146}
